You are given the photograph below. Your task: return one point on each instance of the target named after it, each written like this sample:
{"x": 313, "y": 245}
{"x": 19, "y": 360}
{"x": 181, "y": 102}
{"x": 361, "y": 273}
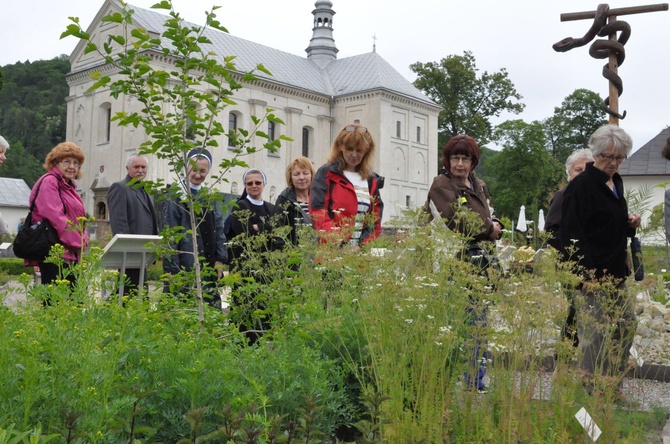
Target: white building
{"x": 14, "y": 196}
{"x": 316, "y": 96}
{"x": 646, "y": 170}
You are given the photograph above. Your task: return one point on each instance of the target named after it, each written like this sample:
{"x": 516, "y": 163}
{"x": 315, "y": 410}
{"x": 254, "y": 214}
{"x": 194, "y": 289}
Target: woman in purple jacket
{"x": 59, "y": 203}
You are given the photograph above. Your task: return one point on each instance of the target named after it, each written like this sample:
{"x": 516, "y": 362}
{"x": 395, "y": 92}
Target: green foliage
{"x": 33, "y": 111}
{"x": 572, "y": 124}
{"x": 468, "y": 99}
{"x": 372, "y": 343}
{"x": 180, "y": 109}
{"x": 524, "y": 173}
{"x": 12, "y": 266}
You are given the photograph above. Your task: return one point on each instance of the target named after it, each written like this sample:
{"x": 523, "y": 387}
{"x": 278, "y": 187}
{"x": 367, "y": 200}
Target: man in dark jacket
{"x": 131, "y": 209}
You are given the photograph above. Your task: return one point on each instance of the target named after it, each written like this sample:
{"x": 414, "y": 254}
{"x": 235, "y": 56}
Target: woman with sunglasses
{"x": 453, "y": 192}
{"x": 251, "y": 237}
{"x": 345, "y": 204}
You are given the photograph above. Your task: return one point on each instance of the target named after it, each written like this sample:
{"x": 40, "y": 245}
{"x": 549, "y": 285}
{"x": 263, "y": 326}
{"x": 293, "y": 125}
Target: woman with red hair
{"x": 345, "y": 205}
{"x": 455, "y": 189}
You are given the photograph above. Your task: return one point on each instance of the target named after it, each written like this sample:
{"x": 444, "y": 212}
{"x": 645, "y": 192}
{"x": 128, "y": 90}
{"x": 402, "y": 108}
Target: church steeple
{"x": 322, "y": 47}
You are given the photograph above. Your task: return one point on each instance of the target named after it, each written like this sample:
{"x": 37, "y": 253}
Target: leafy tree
{"x": 524, "y": 172}
{"x": 180, "y": 108}
{"x": 468, "y": 100}
{"x": 569, "y": 129}
{"x": 32, "y": 104}
{"x": 21, "y": 165}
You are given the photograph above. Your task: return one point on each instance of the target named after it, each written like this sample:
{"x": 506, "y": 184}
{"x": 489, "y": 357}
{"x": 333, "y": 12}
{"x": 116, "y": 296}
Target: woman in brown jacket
{"x": 456, "y": 189}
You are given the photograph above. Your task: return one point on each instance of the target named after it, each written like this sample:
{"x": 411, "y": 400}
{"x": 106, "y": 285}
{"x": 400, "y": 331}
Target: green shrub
{"x": 13, "y": 266}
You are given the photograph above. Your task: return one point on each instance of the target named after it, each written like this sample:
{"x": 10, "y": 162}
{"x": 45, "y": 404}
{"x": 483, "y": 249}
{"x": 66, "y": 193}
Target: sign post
{"x": 129, "y": 251}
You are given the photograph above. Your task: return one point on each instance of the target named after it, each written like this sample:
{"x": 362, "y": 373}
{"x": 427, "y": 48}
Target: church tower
{"x": 322, "y": 47}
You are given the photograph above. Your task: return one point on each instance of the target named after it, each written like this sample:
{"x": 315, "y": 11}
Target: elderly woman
{"x": 4, "y": 146}
{"x": 56, "y": 200}
{"x": 210, "y": 236}
{"x": 294, "y": 200}
{"x": 457, "y": 188}
{"x": 595, "y": 225}
{"x": 345, "y": 204}
{"x": 574, "y": 165}
{"x": 252, "y": 218}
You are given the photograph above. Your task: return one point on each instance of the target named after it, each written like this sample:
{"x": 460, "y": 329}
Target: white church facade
{"x": 315, "y": 96}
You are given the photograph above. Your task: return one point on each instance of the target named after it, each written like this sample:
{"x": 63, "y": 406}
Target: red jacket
{"x": 333, "y": 204}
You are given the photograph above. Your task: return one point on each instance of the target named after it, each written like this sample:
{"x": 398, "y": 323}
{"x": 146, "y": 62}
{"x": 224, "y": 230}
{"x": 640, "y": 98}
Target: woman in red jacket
{"x": 345, "y": 204}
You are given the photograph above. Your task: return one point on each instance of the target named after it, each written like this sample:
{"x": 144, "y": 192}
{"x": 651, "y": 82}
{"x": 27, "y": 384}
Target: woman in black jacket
{"x": 595, "y": 225}
{"x": 251, "y": 240}
{"x": 294, "y": 200}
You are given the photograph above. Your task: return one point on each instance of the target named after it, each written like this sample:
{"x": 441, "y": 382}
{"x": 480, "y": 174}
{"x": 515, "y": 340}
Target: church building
{"x": 315, "y": 96}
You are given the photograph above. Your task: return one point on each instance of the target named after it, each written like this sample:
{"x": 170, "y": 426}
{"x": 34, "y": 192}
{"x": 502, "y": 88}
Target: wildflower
{"x": 422, "y": 306}
{"x": 18, "y": 333}
{"x": 409, "y": 321}
{"x": 445, "y": 329}
{"x": 439, "y": 344}
{"x": 431, "y": 317}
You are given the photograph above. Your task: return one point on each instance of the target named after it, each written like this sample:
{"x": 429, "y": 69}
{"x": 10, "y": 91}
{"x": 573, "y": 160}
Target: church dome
{"x": 323, "y": 4}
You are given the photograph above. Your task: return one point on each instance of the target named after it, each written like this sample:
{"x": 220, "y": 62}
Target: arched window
{"x": 232, "y": 128}
{"x": 105, "y": 122}
{"x": 307, "y": 141}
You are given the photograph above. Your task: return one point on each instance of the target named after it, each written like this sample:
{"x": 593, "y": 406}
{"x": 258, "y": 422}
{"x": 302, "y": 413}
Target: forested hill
{"x": 32, "y": 114}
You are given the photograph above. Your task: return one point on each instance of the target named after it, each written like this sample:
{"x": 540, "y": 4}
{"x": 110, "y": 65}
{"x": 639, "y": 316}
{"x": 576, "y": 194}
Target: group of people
{"x": 589, "y": 219}
{"x": 590, "y": 225}
{"x": 341, "y": 202}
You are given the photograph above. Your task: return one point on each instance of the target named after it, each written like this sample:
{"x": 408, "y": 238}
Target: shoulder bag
{"x": 33, "y": 242}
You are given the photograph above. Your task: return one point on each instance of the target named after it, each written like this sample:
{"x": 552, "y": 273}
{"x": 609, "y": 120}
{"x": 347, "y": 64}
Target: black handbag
{"x": 34, "y": 241}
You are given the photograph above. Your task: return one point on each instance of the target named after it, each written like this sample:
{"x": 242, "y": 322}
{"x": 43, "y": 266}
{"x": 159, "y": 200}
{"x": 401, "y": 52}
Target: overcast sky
{"x": 512, "y": 34}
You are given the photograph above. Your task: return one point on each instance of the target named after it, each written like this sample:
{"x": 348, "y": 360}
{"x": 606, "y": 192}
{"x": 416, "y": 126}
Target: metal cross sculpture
{"x": 605, "y": 24}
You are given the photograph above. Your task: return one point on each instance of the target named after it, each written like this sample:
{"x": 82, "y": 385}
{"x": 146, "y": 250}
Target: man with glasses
{"x": 594, "y": 231}
{"x": 131, "y": 210}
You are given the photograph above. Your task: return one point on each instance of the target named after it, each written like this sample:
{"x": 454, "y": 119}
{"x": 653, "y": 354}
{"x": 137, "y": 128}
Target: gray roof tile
{"x": 14, "y": 192}
{"x": 647, "y": 161}
{"x": 340, "y": 77}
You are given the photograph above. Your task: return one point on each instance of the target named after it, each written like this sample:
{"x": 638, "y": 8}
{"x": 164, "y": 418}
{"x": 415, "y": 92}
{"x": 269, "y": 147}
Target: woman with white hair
{"x": 594, "y": 231}
{"x": 575, "y": 164}
{"x": 4, "y": 146}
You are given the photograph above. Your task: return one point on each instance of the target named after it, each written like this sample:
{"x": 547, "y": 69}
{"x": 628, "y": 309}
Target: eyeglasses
{"x": 353, "y": 129}
{"x": 609, "y": 158}
{"x": 457, "y": 159}
{"x": 68, "y": 162}
{"x": 254, "y": 182}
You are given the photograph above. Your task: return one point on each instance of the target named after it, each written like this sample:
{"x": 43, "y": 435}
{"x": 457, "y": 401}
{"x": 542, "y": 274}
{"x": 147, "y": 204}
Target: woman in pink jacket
{"x": 59, "y": 202}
